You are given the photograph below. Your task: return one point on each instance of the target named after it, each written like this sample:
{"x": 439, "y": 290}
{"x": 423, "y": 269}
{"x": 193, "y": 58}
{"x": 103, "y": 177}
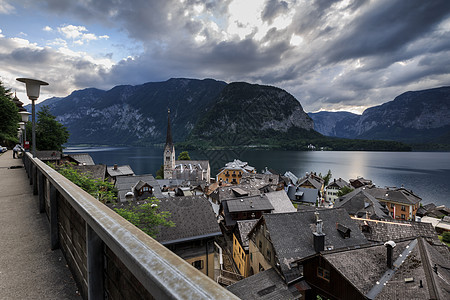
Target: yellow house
{"x": 232, "y": 172}
{"x": 241, "y": 246}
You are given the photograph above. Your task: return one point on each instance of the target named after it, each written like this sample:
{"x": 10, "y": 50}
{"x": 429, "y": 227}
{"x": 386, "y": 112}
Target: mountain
{"x": 412, "y": 117}
{"x": 249, "y": 114}
{"x": 336, "y": 124}
{"x": 135, "y": 115}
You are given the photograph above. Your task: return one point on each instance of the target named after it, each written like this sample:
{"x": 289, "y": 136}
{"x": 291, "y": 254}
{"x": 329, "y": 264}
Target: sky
{"x": 331, "y": 55}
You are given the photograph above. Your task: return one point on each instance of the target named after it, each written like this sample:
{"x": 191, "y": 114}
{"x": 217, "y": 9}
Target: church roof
{"x": 169, "y": 131}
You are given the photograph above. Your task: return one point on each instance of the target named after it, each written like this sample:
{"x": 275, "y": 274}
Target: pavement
{"x": 29, "y": 269}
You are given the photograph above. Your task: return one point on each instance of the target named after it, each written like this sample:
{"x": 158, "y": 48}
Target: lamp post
{"x": 33, "y": 87}
{"x": 22, "y": 128}
{"x": 24, "y": 115}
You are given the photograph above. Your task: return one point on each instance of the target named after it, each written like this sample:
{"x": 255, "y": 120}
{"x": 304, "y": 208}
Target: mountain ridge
{"x": 413, "y": 117}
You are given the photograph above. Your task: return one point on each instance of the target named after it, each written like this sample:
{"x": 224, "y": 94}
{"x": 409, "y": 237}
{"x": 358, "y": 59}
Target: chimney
{"x": 115, "y": 167}
{"x": 390, "y": 245}
{"x": 319, "y": 236}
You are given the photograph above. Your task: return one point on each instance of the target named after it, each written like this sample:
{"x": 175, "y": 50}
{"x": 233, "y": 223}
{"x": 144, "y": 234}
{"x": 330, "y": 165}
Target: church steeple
{"x": 169, "y": 151}
{"x": 169, "y": 131}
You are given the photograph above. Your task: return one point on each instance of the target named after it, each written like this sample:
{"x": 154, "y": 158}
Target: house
{"x": 268, "y": 285}
{"x": 311, "y": 181}
{"x": 233, "y": 171}
{"x": 243, "y": 208}
{"x": 298, "y": 194}
{"x": 240, "y": 245}
{"x": 116, "y": 171}
{"x": 280, "y": 202}
{"x": 192, "y": 237}
{"x": 278, "y": 240}
{"x": 360, "y": 182}
{"x": 409, "y": 269}
{"x": 293, "y": 179}
{"x": 228, "y": 191}
{"x": 139, "y": 187}
{"x": 360, "y": 203}
{"x": 440, "y": 225}
{"x": 333, "y": 188}
{"x": 49, "y": 156}
{"x": 402, "y": 203}
{"x": 195, "y": 229}
{"x": 80, "y": 159}
{"x": 264, "y": 182}
{"x": 92, "y": 171}
{"x": 377, "y": 231}
{"x": 192, "y": 170}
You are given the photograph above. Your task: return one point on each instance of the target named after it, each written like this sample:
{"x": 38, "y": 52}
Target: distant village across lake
{"x": 263, "y": 234}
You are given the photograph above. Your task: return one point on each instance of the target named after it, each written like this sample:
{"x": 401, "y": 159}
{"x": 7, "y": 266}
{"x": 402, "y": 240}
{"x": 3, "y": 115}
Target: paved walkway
{"x": 29, "y": 269}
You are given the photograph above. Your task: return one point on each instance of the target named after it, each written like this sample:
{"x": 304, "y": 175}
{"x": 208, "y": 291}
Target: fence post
{"x": 94, "y": 264}
{"x": 41, "y": 182}
{"x": 54, "y": 231}
{"x": 34, "y": 174}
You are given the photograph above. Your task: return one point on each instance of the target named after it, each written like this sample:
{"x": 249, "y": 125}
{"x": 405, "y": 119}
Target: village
{"x": 265, "y": 235}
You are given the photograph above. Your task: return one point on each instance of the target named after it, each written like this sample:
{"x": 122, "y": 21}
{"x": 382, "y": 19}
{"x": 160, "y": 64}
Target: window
{"x": 403, "y": 216}
{"x": 198, "y": 264}
{"x": 403, "y": 208}
{"x": 269, "y": 255}
{"x": 167, "y": 157}
{"x": 261, "y": 268}
{"x": 322, "y": 273}
{"x": 392, "y": 214}
{"x": 251, "y": 256}
{"x": 242, "y": 255}
{"x": 260, "y": 245}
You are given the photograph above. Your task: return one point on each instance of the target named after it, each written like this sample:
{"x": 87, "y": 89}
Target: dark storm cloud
{"x": 388, "y": 27}
{"x": 27, "y": 56}
{"x": 361, "y": 54}
{"x": 273, "y": 9}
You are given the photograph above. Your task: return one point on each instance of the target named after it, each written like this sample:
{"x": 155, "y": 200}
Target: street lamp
{"x": 33, "y": 86}
{"x": 22, "y": 128}
{"x": 24, "y": 115}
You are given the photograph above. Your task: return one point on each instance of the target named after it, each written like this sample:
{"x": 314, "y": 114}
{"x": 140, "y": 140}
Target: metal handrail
{"x": 164, "y": 274}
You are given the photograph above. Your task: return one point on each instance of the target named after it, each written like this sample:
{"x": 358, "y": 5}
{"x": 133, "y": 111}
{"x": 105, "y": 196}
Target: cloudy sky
{"x": 331, "y": 55}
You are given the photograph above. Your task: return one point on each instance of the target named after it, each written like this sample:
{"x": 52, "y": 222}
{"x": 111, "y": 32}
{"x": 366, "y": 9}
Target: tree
{"x": 184, "y": 156}
{"x": 50, "y": 134}
{"x": 326, "y": 178}
{"x": 103, "y": 190}
{"x": 146, "y": 216}
{"x": 344, "y": 191}
{"x": 160, "y": 173}
{"x": 9, "y": 118}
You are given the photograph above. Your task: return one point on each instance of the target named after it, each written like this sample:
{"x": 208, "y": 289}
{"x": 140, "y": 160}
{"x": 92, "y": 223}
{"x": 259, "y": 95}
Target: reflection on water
{"x": 426, "y": 173}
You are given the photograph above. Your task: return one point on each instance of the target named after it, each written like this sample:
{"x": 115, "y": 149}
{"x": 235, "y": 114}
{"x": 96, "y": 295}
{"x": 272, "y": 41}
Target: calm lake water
{"x": 427, "y": 174}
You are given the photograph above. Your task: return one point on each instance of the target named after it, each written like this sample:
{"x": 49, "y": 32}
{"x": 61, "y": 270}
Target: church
{"x": 182, "y": 169}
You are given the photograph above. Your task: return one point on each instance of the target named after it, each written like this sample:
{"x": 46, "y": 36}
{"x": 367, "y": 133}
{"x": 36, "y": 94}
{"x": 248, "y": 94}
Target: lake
{"x": 427, "y": 174}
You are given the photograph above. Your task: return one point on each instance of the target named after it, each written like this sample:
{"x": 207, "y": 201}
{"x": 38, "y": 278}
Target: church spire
{"x": 169, "y": 131}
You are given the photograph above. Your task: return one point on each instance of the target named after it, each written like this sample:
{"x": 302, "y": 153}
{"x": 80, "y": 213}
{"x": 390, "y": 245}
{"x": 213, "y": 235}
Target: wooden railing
{"x": 108, "y": 256}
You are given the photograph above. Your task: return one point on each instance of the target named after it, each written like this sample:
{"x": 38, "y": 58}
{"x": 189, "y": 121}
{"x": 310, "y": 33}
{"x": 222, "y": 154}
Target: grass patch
{"x": 440, "y": 238}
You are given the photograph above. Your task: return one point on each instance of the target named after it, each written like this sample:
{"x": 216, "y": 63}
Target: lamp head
{"x": 33, "y": 86}
{"x": 24, "y": 115}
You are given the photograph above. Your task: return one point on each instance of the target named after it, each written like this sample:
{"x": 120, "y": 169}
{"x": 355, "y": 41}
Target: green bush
{"x": 446, "y": 237}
